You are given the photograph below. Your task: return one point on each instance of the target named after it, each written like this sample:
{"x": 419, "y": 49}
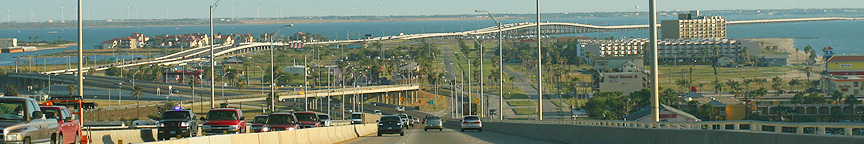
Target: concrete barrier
{"x": 221, "y": 139}
{"x": 302, "y": 136}
{"x": 566, "y": 133}
{"x": 269, "y": 138}
{"x": 318, "y": 135}
{"x": 127, "y": 136}
{"x": 247, "y": 138}
{"x": 290, "y": 137}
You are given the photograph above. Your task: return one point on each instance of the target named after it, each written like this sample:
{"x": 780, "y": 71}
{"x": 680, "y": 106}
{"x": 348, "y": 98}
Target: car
{"x": 281, "y": 122}
{"x": 392, "y": 124}
{"x": 223, "y": 121}
{"x": 416, "y": 120}
{"x": 307, "y": 119}
{"x": 410, "y": 121}
{"x": 433, "y": 122}
{"x": 427, "y": 117}
{"x": 400, "y": 108}
{"x": 471, "y": 122}
{"x": 24, "y": 122}
{"x": 69, "y": 129}
{"x": 378, "y": 112}
{"x": 258, "y": 123}
{"x": 324, "y": 119}
{"x": 404, "y": 118}
{"x": 348, "y": 110}
{"x": 177, "y": 123}
{"x": 356, "y": 118}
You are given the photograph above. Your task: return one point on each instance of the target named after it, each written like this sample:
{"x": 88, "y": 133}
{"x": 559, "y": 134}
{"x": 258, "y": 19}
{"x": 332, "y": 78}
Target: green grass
{"x": 705, "y": 74}
{"x": 525, "y": 111}
{"x": 521, "y": 103}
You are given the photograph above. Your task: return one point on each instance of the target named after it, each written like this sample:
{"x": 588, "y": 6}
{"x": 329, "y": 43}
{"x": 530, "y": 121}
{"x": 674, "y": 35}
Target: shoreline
{"x": 276, "y": 21}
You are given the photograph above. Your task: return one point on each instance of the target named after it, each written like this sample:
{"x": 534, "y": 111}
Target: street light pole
{"x": 482, "y": 113}
{"x": 655, "y": 96}
{"x": 539, "y": 68}
{"x": 80, "y": 58}
{"x": 212, "y": 58}
{"x": 273, "y": 69}
{"x": 262, "y": 78}
{"x": 500, "y": 65}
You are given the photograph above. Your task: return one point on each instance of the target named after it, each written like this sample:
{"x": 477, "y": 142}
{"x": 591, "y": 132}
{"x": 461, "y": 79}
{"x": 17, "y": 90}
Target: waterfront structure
{"x": 693, "y": 25}
{"x": 8, "y": 42}
{"x": 619, "y": 62}
{"x": 669, "y": 49}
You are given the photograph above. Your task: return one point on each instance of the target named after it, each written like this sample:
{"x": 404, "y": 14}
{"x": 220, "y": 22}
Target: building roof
{"x": 846, "y": 58}
{"x": 692, "y": 94}
{"x": 646, "y": 111}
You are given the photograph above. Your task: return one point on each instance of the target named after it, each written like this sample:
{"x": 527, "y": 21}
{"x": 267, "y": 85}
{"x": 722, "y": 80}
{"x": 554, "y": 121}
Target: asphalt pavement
{"x": 449, "y": 135}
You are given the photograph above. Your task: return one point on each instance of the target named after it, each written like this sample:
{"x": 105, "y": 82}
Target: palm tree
{"x": 718, "y": 88}
{"x": 851, "y": 101}
{"x": 136, "y": 91}
{"x": 793, "y": 83}
{"x": 777, "y": 84}
{"x": 836, "y": 96}
{"x": 735, "y": 86}
{"x": 682, "y": 84}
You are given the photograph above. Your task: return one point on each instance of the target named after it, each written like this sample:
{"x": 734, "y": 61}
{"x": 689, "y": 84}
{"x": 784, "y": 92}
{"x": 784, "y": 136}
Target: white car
{"x": 400, "y": 108}
{"x": 356, "y": 118}
{"x": 324, "y": 119}
{"x": 471, "y": 122}
{"x": 378, "y": 112}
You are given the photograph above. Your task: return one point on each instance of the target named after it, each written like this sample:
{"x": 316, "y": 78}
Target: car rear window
{"x": 390, "y": 118}
{"x": 323, "y": 117}
{"x": 434, "y": 118}
{"x": 472, "y": 118}
{"x": 356, "y": 116}
{"x": 222, "y": 115}
{"x": 306, "y": 117}
{"x": 259, "y": 120}
{"x": 51, "y": 113}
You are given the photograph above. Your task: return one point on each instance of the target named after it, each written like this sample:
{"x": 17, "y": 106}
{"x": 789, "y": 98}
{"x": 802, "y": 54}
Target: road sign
{"x": 431, "y": 102}
{"x": 402, "y": 98}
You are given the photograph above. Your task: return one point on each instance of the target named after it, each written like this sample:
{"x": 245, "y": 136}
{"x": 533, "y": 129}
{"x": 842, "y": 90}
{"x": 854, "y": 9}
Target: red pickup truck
{"x": 69, "y": 128}
{"x": 224, "y": 121}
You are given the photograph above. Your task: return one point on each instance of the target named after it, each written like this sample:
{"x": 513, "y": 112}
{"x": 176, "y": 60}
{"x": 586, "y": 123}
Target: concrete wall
{"x": 127, "y": 136}
{"x": 303, "y": 136}
{"x": 617, "y": 135}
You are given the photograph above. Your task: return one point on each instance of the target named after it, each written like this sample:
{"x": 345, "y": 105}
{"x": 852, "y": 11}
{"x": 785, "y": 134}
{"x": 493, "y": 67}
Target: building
{"x": 629, "y": 79}
{"x": 667, "y": 114}
{"x": 8, "y": 42}
{"x": 295, "y": 70}
{"x": 845, "y": 65}
{"x": 774, "y": 60}
{"x": 693, "y": 25}
{"x": 618, "y": 62}
{"x": 669, "y": 49}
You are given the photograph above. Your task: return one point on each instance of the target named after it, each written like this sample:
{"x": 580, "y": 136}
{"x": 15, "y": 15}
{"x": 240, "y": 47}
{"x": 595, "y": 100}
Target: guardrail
{"x": 745, "y": 125}
{"x": 117, "y": 127}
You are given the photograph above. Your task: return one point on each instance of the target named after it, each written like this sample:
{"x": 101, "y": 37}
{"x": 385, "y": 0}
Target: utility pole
{"x": 212, "y": 59}
{"x": 539, "y": 68}
{"x": 655, "y": 95}
{"x": 80, "y": 59}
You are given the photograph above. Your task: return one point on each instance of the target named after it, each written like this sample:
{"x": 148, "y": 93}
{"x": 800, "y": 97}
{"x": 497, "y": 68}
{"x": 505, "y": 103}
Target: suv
{"x": 224, "y": 121}
{"x": 356, "y": 118}
{"x": 307, "y": 119}
{"x": 471, "y": 122}
{"x": 325, "y": 120}
{"x": 404, "y": 118}
{"x": 177, "y": 123}
{"x": 23, "y": 121}
{"x": 258, "y": 123}
{"x": 281, "y": 122}
{"x": 391, "y": 125}
{"x": 69, "y": 128}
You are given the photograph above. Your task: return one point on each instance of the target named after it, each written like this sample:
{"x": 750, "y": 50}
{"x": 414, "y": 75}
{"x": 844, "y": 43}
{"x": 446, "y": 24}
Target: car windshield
{"x": 306, "y": 117}
{"x": 175, "y": 115}
{"x": 472, "y": 118}
{"x": 222, "y": 115}
{"x": 280, "y": 119}
{"x": 356, "y": 116}
{"x": 323, "y": 117}
{"x": 389, "y": 118}
{"x": 12, "y": 110}
{"x": 51, "y": 113}
{"x": 259, "y": 120}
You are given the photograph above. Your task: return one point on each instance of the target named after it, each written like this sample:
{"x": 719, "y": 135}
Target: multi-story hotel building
{"x": 692, "y": 25}
{"x": 669, "y": 48}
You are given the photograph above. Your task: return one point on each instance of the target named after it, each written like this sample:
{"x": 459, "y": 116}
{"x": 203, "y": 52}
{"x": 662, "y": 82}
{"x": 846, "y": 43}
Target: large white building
{"x": 668, "y": 48}
{"x": 693, "y": 25}
{"x": 8, "y": 42}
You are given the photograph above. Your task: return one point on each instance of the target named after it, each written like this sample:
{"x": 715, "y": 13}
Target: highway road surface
{"x": 450, "y": 135}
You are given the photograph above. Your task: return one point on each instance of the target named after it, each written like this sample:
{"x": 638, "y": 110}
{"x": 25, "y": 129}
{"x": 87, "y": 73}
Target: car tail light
{"x": 477, "y": 122}
{"x": 466, "y": 122}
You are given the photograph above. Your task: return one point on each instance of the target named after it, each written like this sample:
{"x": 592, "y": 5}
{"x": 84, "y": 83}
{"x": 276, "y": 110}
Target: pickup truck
{"x": 85, "y": 105}
{"x": 69, "y": 128}
{"x": 177, "y": 123}
{"x": 223, "y": 121}
{"x": 23, "y": 122}
{"x": 307, "y": 119}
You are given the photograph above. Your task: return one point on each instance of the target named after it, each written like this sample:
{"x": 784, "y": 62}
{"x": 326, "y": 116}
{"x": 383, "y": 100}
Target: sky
{"x": 43, "y": 10}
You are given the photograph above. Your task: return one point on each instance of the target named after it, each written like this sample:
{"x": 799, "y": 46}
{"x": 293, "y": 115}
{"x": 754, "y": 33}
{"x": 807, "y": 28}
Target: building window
{"x": 856, "y": 84}
{"x": 845, "y": 65}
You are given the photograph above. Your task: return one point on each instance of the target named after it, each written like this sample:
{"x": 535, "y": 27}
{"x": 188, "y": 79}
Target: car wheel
{"x": 425, "y": 129}
{"x": 463, "y": 130}
{"x": 480, "y": 130}
{"x": 402, "y": 134}
{"x": 379, "y": 134}
{"x": 27, "y": 140}
{"x": 440, "y": 129}
{"x": 59, "y": 139}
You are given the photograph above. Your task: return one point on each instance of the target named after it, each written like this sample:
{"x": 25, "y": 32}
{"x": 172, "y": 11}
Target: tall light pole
{"x": 469, "y": 82}
{"x": 500, "y": 65}
{"x": 80, "y": 59}
{"x": 212, "y": 59}
{"x": 539, "y": 68}
{"x": 273, "y": 68}
{"x": 655, "y": 95}
{"x": 481, "y": 76}
{"x": 262, "y": 78}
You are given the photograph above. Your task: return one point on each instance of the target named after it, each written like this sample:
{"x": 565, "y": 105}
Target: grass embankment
{"x": 521, "y": 103}
{"x": 525, "y": 111}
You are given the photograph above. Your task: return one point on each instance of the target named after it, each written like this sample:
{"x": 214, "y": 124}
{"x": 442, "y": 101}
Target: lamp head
{"x": 479, "y": 10}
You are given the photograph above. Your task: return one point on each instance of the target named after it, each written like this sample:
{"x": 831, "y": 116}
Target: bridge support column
{"x": 820, "y": 130}
{"x": 756, "y": 127}
{"x": 847, "y": 131}
{"x": 799, "y": 130}
{"x": 778, "y": 129}
{"x": 736, "y": 126}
